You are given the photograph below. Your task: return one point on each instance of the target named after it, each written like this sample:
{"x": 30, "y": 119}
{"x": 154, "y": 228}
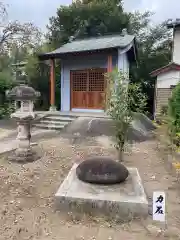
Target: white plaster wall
{"x": 165, "y": 80}
{"x": 176, "y": 47}
{"x": 123, "y": 62}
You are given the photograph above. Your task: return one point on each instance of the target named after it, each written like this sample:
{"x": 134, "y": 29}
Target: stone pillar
{"x": 23, "y": 151}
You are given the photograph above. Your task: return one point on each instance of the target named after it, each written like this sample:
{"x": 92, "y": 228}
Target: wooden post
{"x": 109, "y": 63}
{"x": 52, "y": 85}
{"x": 155, "y": 100}
{"x": 109, "y": 69}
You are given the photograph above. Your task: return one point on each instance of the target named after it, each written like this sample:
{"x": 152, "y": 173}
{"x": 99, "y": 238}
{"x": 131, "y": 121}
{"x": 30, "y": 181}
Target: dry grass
{"x": 27, "y": 194}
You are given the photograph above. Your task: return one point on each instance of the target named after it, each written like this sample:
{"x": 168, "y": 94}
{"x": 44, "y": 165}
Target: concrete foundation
{"x": 119, "y": 202}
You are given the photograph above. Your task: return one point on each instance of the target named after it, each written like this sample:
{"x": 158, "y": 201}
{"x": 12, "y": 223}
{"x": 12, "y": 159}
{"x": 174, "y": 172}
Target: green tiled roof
{"x": 92, "y": 44}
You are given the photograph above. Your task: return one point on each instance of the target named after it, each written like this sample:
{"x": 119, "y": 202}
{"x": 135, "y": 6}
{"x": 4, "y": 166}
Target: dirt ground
{"x": 27, "y": 194}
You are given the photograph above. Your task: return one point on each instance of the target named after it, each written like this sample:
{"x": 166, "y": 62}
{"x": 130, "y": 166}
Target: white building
{"x": 168, "y": 76}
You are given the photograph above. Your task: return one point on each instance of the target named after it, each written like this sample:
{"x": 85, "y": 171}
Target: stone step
{"x": 49, "y": 126}
{"x": 58, "y": 119}
{"x": 62, "y": 115}
{"x": 52, "y": 122}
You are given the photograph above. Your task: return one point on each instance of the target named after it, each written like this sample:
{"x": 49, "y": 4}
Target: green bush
{"x": 6, "y": 110}
{"x": 176, "y": 139}
{"x": 174, "y": 113}
{"x": 6, "y": 83}
{"x": 164, "y": 110}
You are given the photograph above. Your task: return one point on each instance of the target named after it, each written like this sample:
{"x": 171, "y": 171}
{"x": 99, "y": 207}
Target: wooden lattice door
{"x": 88, "y": 88}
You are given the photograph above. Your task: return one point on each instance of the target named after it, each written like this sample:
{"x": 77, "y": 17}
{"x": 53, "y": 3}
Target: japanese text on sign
{"x": 159, "y": 206}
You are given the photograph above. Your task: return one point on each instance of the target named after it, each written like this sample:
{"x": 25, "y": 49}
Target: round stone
{"x": 101, "y": 170}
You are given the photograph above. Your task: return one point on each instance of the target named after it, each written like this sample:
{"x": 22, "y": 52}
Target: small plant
{"x": 164, "y": 110}
{"x": 6, "y": 110}
{"x": 174, "y": 115}
{"x": 123, "y": 100}
{"x": 176, "y": 139}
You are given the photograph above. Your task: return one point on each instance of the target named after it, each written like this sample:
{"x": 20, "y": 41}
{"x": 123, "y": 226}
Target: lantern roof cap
{"x": 22, "y": 92}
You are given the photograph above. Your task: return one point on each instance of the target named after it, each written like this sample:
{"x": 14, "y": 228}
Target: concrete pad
{"x": 120, "y": 202}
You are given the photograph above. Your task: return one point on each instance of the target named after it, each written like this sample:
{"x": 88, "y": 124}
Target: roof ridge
{"x": 94, "y": 44}
{"x": 99, "y": 37}
{"x": 167, "y": 66}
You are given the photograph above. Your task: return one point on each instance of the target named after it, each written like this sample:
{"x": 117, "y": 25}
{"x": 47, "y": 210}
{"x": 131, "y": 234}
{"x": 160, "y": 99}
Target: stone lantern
{"x": 24, "y": 118}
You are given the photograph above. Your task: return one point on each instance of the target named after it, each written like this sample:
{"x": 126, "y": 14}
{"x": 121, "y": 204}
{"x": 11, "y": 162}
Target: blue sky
{"x": 39, "y": 11}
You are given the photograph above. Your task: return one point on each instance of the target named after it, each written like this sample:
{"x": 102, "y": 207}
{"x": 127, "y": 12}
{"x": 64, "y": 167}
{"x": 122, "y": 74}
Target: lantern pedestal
{"x": 24, "y": 152}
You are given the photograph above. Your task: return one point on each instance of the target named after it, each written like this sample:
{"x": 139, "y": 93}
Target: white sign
{"x": 159, "y": 209}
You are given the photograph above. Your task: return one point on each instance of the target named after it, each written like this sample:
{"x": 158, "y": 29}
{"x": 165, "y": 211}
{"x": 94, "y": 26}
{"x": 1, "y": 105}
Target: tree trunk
{"x": 120, "y": 155}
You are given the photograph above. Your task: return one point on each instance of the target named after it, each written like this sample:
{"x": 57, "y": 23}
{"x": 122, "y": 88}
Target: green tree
{"x": 154, "y": 51}
{"x": 38, "y": 75}
{"x": 88, "y": 17}
{"x": 124, "y": 99}
{"x": 174, "y": 115}
{"x": 94, "y": 17}
{"x": 15, "y": 32}
{"x": 17, "y": 41}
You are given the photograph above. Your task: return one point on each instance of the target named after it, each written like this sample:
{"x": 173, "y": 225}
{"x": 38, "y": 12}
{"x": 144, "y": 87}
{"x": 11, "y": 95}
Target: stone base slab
{"x": 23, "y": 156}
{"x": 120, "y": 201}
{"x": 9, "y": 147}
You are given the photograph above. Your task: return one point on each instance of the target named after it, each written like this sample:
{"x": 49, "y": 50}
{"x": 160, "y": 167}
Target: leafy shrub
{"x": 164, "y": 110}
{"x": 176, "y": 139}
{"x": 174, "y": 113}
{"x": 6, "y": 110}
{"x": 6, "y": 83}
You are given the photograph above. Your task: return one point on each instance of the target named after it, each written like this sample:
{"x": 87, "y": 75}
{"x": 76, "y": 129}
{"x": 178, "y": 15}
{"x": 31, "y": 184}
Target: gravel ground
{"x": 27, "y": 194}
